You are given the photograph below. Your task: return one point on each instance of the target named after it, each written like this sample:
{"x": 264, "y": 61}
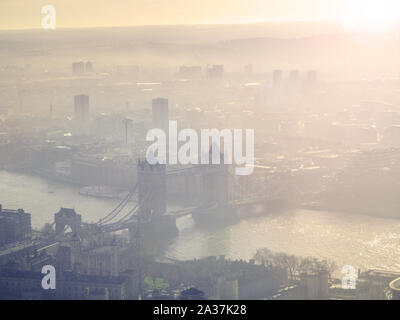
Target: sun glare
{"x": 370, "y": 16}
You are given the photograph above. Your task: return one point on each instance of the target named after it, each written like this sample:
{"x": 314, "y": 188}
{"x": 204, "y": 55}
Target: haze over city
{"x": 371, "y": 14}
{"x": 199, "y": 150}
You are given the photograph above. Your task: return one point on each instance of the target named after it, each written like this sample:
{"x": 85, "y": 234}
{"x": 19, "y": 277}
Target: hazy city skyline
{"x": 199, "y": 150}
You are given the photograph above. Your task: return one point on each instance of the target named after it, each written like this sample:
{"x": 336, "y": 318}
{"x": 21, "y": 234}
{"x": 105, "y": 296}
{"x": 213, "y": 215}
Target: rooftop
{"x": 10, "y": 211}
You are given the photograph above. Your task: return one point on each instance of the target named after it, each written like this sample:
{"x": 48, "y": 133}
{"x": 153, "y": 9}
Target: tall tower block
{"x": 82, "y": 112}
{"x": 160, "y": 114}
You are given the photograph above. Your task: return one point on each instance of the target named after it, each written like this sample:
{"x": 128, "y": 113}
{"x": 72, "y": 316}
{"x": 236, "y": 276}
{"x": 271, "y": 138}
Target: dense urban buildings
{"x": 310, "y": 109}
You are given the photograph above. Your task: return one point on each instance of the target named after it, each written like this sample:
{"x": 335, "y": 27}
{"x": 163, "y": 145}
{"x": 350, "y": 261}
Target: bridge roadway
{"x": 25, "y": 247}
{"x": 235, "y": 204}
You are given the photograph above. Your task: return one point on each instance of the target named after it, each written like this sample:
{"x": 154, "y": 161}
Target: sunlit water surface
{"x": 361, "y": 241}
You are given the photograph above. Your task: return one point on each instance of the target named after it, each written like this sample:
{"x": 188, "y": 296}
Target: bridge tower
{"x": 67, "y": 218}
{"x": 152, "y": 189}
{"x": 215, "y": 181}
{"x": 152, "y": 181}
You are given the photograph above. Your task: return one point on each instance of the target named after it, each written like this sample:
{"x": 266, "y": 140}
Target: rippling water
{"x": 361, "y": 241}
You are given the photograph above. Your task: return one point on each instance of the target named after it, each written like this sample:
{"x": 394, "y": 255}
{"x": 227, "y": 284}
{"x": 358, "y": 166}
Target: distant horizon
{"x": 373, "y": 16}
{"x": 17, "y": 15}
{"x": 182, "y": 25}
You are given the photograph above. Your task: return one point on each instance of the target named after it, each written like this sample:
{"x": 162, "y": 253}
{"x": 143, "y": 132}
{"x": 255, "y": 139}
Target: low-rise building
{"x": 69, "y": 285}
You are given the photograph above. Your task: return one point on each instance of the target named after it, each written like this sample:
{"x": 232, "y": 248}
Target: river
{"x": 349, "y": 239}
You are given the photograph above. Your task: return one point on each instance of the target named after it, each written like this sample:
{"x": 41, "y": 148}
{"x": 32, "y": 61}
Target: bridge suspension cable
{"x": 110, "y": 216}
{"x": 126, "y": 218}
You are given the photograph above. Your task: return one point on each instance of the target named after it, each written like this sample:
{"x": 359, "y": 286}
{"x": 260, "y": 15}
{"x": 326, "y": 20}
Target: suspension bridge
{"x": 146, "y": 202}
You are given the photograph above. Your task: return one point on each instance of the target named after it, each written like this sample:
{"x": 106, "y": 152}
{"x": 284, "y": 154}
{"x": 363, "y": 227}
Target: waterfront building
{"x": 15, "y": 225}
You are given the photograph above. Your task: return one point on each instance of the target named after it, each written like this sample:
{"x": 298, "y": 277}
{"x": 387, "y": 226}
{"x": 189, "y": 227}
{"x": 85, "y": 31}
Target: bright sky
{"x": 22, "y": 14}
